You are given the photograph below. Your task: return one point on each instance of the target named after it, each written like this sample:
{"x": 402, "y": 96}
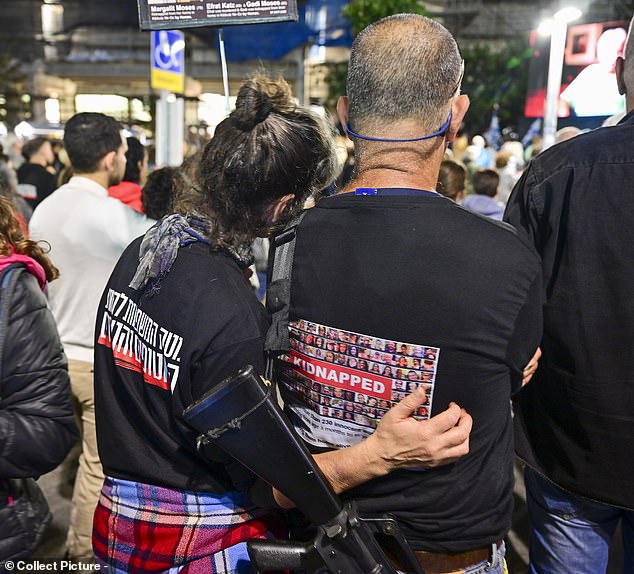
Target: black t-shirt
{"x": 35, "y": 183}
{"x": 391, "y": 293}
{"x": 156, "y": 356}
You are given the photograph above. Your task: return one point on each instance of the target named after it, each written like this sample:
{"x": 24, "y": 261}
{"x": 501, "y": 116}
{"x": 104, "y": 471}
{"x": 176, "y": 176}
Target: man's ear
{"x": 277, "y": 209}
{"x": 620, "y": 72}
{"x": 108, "y": 161}
{"x": 459, "y": 109}
{"x": 342, "y": 110}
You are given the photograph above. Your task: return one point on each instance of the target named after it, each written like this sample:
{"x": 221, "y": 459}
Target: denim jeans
{"x": 570, "y": 533}
{"x": 497, "y": 566}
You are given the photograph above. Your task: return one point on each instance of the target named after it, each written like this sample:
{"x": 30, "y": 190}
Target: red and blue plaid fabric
{"x": 144, "y": 528}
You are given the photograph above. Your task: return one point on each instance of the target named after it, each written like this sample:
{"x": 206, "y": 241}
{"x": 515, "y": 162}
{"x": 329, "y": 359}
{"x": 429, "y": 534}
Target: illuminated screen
{"x": 588, "y": 83}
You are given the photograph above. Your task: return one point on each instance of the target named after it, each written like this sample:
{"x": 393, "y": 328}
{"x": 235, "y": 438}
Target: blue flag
{"x": 492, "y": 135}
{"x": 533, "y": 130}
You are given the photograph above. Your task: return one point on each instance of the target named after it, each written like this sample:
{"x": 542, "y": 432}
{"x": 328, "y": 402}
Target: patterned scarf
{"x": 162, "y": 241}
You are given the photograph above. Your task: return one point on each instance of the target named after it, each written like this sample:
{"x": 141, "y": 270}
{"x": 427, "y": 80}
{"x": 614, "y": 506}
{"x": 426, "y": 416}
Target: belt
{"x": 437, "y": 563}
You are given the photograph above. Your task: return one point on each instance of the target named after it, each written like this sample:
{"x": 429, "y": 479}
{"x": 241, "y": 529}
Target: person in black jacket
{"x": 574, "y": 424}
{"x": 37, "y": 426}
{"x": 35, "y": 181}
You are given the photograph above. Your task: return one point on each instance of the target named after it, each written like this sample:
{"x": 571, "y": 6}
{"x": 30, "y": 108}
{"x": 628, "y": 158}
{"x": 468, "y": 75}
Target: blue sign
{"x": 168, "y": 60}
{"x": 168, "y": 51}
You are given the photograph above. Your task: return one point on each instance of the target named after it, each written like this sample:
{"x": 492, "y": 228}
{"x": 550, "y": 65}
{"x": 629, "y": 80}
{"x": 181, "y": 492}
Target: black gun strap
{"x": 235, "y": 423}
{"x": 278, "y": 292}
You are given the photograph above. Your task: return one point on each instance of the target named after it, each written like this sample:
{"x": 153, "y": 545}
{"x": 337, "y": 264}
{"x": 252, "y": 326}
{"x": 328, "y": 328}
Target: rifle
{"x": 240, "y": 416}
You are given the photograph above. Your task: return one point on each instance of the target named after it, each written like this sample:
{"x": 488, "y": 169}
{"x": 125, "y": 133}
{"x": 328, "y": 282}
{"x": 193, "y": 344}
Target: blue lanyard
{"x": 440, "y": 132}
{"x": 392, "y": 191}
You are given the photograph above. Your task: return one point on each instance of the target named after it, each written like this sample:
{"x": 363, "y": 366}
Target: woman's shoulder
{"x": 24, "y": 292}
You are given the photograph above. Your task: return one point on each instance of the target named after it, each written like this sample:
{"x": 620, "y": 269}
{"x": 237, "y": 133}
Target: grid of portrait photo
{"x": 390, "y": 370}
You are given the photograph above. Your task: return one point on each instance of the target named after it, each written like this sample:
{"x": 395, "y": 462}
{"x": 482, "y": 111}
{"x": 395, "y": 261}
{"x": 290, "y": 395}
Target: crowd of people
{"x": 450, "y": 305}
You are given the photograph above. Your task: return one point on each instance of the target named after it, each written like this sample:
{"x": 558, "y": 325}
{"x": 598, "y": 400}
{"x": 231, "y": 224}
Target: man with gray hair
{"x": 575, "y": 421}
{"x": 423, "y": 305}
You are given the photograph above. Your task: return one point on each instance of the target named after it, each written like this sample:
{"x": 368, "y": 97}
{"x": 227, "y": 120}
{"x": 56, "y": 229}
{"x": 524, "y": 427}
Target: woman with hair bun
{"x": 177, "y": 317}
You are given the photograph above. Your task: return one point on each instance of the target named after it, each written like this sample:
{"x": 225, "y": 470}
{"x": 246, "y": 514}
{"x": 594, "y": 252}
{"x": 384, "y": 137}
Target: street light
{"x": 557, "y": 27}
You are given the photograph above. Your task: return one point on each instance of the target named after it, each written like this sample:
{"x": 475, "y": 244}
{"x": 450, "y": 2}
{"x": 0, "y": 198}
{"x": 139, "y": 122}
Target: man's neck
{"x": 389, "y": 177}
{"x": 397, "y": 168}
{"x": 98, "y": 177}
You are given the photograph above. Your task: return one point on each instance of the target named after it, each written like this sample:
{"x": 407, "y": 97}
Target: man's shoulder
{"x": 81, "y": 211}
{"x": 495, "y": 240}
{"x": 57, "y": 204}
{"x": 33, "y": 171}
{"x": 481, "y": 236}
{"x": 605, "y": 146}
{"x": 73, "y": 197}
{"x": 27, "y": 167}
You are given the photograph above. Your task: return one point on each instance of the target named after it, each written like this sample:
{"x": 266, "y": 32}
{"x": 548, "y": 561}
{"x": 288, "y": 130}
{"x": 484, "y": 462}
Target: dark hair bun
{"x": 259, "y": 97}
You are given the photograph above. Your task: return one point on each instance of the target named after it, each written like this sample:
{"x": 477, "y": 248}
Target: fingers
{"x": 532, "y": 364}
{"x": 402, "y": 441}
{"x": 530, "y": 369}
{"x": 454, "y": 443}
{"x": 447, "y": 419}
{"x": 408, "y": 405}
{"x": 439, "y": 423}
{"x": 459, "y": 433}
{"x": 466, "y": 422}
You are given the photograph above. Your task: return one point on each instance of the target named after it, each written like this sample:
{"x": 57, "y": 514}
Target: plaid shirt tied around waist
{"x": 143, "y": 528}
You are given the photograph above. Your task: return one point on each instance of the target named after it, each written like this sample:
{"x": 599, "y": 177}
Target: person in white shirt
{"x": 87, "y": 232}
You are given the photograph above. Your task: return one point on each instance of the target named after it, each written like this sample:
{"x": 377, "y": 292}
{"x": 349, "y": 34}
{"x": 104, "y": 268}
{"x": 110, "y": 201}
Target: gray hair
{"x": 402, "y": 67}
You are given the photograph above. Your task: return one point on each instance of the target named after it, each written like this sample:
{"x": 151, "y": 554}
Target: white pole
{"x": 162, "y": 129}
{"x": 299, "y": 77}
{"x": 170, "y": 121}
{"x": 225, "y": 73}
{"x": 555, "y": 68}
{"x": 306, "y": 79}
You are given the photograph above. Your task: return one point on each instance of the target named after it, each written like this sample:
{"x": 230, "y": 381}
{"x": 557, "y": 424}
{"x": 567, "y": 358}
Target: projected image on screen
{"x": 588, "y": 85}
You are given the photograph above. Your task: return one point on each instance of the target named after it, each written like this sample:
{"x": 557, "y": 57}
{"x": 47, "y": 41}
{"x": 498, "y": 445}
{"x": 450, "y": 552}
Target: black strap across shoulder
{"x": 278, "y": 292}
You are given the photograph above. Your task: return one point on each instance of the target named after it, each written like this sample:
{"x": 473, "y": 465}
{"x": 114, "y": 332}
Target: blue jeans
{"x": 496, "y": 566}
{"x": 570, "y": 533}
